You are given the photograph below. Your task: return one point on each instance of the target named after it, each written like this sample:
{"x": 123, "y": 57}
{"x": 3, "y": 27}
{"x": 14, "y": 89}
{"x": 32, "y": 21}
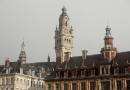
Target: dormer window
{"x": 65, "y": 74}
{"x": 21, "y": 70}
{"x": 93, "y": 72}
{"x": 74, "y": 73}
{"x": 57, "y": 74}
{"x": 104, "y": 70}
{"x": 83, "y": 72}
{"x": 116, "y": 70}
{"x": 127, "y": 69}
{"x": 33, "y": 73}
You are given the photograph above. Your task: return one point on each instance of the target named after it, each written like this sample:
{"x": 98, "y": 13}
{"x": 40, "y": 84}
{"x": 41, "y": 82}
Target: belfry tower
{"x": 63, "y": 38}
{"x": 108, "y": 51}
{"x": 22, "y": 55}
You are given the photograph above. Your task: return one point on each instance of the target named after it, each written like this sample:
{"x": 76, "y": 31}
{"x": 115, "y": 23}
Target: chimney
{"x": 7, "y": 62}
{"x": 84, "y": 54}
{"x": 20, "y": 62}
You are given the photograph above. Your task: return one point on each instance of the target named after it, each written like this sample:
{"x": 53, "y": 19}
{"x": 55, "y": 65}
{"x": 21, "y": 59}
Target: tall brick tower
{"x": 108, "y": 51}
{"x": 63, "y": 38}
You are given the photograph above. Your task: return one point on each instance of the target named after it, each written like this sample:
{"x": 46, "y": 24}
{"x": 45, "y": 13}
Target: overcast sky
{"x": 35, "y": 21}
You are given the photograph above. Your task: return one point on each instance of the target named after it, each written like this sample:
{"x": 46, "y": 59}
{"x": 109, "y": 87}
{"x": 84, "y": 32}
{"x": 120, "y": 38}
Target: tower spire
{"x": 63, "y": 38}
{"x": 22, "y": 55}
{"x": 108, "y": 51}
{"x": 48, "y": 59}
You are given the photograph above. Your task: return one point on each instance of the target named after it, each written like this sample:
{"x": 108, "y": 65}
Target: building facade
{"x": 109, "y": 70}
{"x": 20, "y": 75}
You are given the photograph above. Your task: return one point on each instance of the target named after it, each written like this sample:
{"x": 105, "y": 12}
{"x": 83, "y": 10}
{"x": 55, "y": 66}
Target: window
{"x": 106, "y": 70}
{"x": 102, "y": 70}
{"x": 33, "y": 73}
{"x": 65, "y": 86}
{"x": 74, "y": 73}
{"x": 128, "y": 84}
{"x": 92, "y": 72}
{"x": 24, "y": 82}
{"x": 118, "y": 85}
{"x": 21, "y": 70}
{"x": 28, "y": 82}
{"x": 92, "y": 87}
{"x": 42, "y": 85}
{"x": 82, "y": 73}
{"x": 6, "y": 80}
{"x": 105, "y": 85}
{"x": 83, "y": 86}
{"x": 74, "y": 86}
{"x": 49, "y": 86}
{"x": 6, "y": 89}
{"x": 39, "y": 84}
{"x": 57, "y": 87}
{"x": 11, "y": 81}
{"x": 17, "y": 80}
{"x": 31, "y": 83}
{"x": 21, "y": 81}
{"x": 2, "y": 81}
{"x": 126, "y": 70}
{"x": 116, "y": 70}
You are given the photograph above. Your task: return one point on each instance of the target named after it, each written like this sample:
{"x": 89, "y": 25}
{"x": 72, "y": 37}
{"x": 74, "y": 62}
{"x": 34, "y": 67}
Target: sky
{"x": 36, "y": 20}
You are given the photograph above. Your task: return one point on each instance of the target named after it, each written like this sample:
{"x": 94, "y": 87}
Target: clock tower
{"x": 108, "y": 51}
{"x": 63, "y": 38}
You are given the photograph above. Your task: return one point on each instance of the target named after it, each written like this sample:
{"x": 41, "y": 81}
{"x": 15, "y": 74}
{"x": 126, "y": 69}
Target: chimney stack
{"x": 84, "y": 54}
{"x": 7, "y": 62}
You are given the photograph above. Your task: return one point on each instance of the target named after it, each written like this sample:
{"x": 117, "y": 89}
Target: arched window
{"x": 65, "y": 41}
{"x": 60, "y": 41}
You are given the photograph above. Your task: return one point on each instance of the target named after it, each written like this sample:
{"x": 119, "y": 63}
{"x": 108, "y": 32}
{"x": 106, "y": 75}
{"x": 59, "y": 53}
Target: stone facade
{"x": 63, "y": 38}
{"x": 109, "y": 70}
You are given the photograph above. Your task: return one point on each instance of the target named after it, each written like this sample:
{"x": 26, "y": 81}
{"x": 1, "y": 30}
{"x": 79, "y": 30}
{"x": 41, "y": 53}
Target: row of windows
{"x": 6, "y": 81}
{"x": 104, "y": 86}
{"x": 93, "y": 72}
{"x": 66, "y": 41}
{"x": 38, "y": 84}
{"x": 33, "y": 83}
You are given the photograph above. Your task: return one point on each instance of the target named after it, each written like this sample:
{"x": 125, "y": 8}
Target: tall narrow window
{"x": 28, "y": 82}
{"x": 2, "y": 81}
{"x": 105, "y": 85}
{"x": 6, "y": 81}
{"x": 128, "y": 84}
{"x": 11, "y": 81}
{"x": 65, "y": 86}
{"x": 83, "y": 86}
{"x": 17, "y": 80}
{"x": 21, "y": 81}
{"x": 106, "y": 70}
{"x": 82, "y": 73}
{"x": 92, "y": 87}
{"x": 57, "y": 87}
{"x": 74, "y": 86}
{"x": 118, "y": 85}
{"x": 126, "y": 69}
{"x": 49, "y": 86}
{"x": 102, "y": 70}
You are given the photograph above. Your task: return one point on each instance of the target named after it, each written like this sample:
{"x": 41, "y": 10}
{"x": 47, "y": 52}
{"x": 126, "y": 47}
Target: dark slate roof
{"x": 122, "y": 59}
{"x": 15, "y": 67}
